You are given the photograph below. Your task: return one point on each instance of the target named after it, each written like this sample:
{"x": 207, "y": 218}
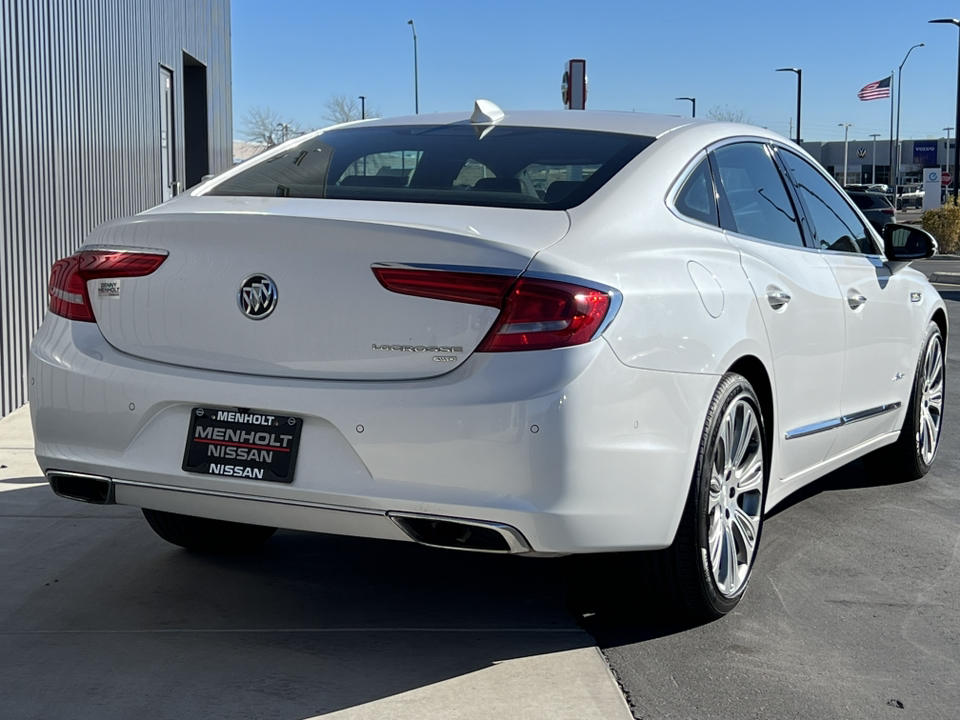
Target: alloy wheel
{"x": 735, "y": 499}
{"x": 931, "y": 400}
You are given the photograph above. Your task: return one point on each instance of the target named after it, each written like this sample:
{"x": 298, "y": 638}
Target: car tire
{"x": 911, "y": 456}
{"x": 707, "y": 567}
{"x": 206, "y": 534}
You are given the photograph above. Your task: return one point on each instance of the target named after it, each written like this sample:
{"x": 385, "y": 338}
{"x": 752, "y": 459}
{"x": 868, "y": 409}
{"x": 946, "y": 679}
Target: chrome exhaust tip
{"x": 94, "y": 489}
{"x": 461, "y": 534}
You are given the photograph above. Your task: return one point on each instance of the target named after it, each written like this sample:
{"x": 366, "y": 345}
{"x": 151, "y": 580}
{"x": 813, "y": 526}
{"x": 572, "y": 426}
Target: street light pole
{"x": 873, "y": 174}
{"x": 363, "y": 107}
{"x": 948, "y": 147}
{"x": 694, "y": 101}
{"x": 956, "y": 153}
{"x": 846, "y": 129}
{"x": 416, "y": 72}
{"x": 896, "y": 182}
{"x": 799, "y": 73}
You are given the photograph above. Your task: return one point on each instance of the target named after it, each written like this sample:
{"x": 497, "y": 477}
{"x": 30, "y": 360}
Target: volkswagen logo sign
{"x": 257, "y": 297}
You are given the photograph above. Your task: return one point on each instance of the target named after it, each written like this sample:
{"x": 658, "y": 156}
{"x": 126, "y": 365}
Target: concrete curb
{"x": 945, "y": 278}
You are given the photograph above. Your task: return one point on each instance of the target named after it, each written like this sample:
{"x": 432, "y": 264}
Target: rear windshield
{"x": 539, "y": 168}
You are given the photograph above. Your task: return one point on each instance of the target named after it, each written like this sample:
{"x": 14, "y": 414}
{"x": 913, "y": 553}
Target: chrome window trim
{"x": 772, "y": 243}
{"x": 834, "y": 423}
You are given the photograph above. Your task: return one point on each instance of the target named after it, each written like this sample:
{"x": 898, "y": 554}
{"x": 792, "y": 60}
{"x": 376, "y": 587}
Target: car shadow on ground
{"x": 618, "y": 609}
{"x": 309, "y": 624}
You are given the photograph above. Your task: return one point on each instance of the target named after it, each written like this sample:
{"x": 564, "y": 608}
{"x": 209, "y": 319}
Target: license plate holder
{"x": 242, "y": 443}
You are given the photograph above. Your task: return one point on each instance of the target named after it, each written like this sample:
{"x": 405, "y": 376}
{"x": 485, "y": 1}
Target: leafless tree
{"x": 726, "y": 113}
{"x": 268, "y": 127}
{"x": 342, "y": 108}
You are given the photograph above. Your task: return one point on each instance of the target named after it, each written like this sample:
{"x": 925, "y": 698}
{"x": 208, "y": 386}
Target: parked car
{"x": 909, "y": 196}
{"x": 874, "y": 187}
{"x": 876, "y": 207}
{"x": 643, "y": 360}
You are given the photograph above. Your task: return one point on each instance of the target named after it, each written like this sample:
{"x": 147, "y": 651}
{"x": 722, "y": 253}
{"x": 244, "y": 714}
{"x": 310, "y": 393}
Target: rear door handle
{"x": 855, "y": 299}
{"x": 777, "y": 298}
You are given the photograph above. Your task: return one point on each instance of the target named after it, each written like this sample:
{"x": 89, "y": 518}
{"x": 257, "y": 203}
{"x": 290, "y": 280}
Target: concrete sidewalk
{"x": 101, "y": 619}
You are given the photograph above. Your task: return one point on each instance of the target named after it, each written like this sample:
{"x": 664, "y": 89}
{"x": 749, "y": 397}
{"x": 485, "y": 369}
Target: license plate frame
{"x": 241, "y": 443}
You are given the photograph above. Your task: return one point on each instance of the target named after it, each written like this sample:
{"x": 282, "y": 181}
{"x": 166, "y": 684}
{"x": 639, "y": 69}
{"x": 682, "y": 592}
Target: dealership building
{"x": 862, "y": 154}
{"x": 107, "y": 107}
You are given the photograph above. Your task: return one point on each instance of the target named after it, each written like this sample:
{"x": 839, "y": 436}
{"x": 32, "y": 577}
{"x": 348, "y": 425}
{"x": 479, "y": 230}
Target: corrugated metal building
{"x": 107, "y": 107}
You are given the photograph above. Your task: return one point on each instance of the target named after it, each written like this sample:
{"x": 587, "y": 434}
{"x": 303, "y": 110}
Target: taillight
{"x": 542, "y": 314}
{"x": 887, "y": 211}
{"x": 535, "y": 313}
{"x": 465, "y": 287}
{"x": 68, "y": 277}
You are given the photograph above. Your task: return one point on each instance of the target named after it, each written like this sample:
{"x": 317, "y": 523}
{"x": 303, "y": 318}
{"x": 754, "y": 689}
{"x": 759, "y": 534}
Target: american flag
{"x": 875, "y": 90}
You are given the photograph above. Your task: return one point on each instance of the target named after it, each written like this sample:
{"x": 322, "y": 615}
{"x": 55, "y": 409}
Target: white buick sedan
{"x": 541, "y": 333}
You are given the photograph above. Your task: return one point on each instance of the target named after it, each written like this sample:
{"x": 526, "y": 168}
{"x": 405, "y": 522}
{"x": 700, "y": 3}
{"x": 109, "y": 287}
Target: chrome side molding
{"x": 833, "y": 423}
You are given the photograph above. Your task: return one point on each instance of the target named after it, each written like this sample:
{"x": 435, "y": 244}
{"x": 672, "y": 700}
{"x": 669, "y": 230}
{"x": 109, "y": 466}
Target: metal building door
{"x": 168, "y": 183}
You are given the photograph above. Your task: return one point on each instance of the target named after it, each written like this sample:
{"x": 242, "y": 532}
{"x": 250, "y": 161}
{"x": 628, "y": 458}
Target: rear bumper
{"x": 575, "y": 450}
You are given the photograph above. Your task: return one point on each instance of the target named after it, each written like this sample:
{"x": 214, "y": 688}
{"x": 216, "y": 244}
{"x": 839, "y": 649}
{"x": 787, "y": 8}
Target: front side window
{"x": 836, "y": 225}
{"x": 525, "y": 167}
{"x": 753, "y": 188}
{"x": 697, "y": 198}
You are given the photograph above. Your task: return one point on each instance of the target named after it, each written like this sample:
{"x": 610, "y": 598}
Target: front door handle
{"x": 777, "y": 298}
{"x": 855, "y": 299}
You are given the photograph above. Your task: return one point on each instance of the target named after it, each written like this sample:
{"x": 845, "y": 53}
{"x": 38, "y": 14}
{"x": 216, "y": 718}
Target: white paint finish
{"x": 711, "y": 292}
{"x": 883, "y": 336}
{"x": 512, "y": 227}
{"x": 806, "y": 338}
{"x": 608, "y": 468}
{"x": 331, "y": 309}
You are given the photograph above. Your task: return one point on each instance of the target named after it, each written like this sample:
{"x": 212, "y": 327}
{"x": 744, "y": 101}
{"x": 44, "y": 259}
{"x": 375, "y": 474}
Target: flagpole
{"x": 890, "y": 174}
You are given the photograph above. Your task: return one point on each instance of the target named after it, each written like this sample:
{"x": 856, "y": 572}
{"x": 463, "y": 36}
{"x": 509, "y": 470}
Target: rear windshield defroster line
{"x": 521, "y": 167}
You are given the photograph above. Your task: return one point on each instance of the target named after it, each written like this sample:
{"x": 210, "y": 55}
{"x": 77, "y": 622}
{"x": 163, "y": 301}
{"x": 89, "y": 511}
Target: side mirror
{"x": 905, "y": 243}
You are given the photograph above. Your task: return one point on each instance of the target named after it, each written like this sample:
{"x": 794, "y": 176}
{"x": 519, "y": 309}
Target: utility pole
{"x": 896, "y": 179}
{"x": 846, "y": 129}
{"x": 873, "y": 173}
{"x": 948, "y": 147}
{"x": 416, "y": 72}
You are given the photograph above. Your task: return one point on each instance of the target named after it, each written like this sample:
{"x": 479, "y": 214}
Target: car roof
{"x": 644, "y": 124}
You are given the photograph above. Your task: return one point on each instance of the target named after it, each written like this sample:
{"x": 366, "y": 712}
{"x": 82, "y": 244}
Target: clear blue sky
{"x": 293, "y": 55}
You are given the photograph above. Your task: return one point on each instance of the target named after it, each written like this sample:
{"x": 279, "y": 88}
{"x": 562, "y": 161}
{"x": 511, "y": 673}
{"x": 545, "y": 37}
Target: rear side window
{"x": 837, "y": 226}
{"x": 753, "y": 187}
{"x": 697, "y": 199}
{"x": 537, "y": 168}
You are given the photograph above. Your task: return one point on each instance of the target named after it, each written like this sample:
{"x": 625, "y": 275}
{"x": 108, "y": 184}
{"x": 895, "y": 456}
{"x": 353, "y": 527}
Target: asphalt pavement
{"x": 853, "y": 610}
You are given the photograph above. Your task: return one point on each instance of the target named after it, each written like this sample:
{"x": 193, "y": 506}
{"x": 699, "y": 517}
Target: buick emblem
{"x": 257, "y": 297}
